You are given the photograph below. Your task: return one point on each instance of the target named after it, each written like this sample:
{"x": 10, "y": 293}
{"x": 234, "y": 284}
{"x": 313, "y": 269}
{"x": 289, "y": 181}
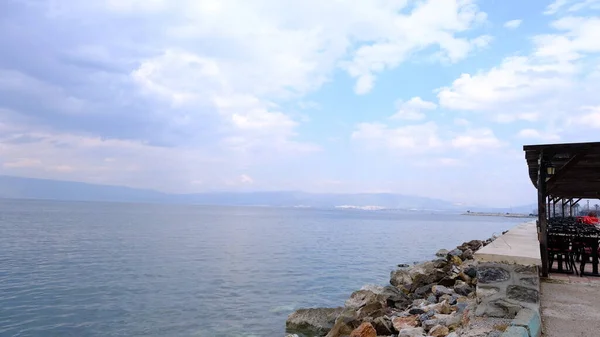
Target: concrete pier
{"x": 519, "y": 246}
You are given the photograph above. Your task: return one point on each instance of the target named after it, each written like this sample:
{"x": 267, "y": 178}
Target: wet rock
{"x": 462, "y": 288}
{"x": 492, "y": 275}
{"x": 403, "y": 265}
{"x": 522, "y": 294}
{"x": 439, "y": 331}
{"x": 400, "y": 323}
{"x": 439, "y": 290}
{"x": 364, "y": 330}
{"x": 411, "y": 332}
{"x": 312, "y": 321}
{"x": 442, "y": 253}
{"x": 383, "y": 326}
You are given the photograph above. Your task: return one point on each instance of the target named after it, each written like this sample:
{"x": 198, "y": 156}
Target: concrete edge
{"x": 523, "y": 261}
{"x": 527, "y": 323}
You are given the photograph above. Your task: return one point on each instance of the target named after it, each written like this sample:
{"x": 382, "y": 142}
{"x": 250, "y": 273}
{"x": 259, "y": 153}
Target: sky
{"x": 432, "y": 98}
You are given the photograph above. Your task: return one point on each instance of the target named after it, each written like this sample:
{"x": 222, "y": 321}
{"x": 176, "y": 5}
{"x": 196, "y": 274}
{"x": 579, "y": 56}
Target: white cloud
{"x": 547, "y": 86}
{"x": 513, "y": 24}
{"x": 590, "y": 118}
{"x": 534, "y": 134}
{"x": 554, "y": 7}
{"x": 573, "y": 6}
{"x": 476, "y": 139}
{"x": 246, "y": 179}
{"x": 419, "y": 138}
{"x": 412, "y": 109}
{"x": 461, "y": 122}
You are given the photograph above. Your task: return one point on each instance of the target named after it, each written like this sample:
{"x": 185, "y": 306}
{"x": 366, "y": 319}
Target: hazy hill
{"x": 29, "y": 188}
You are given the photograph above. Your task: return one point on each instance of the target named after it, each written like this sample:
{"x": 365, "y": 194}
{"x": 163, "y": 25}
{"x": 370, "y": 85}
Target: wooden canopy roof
{"x": 577, "y": 168}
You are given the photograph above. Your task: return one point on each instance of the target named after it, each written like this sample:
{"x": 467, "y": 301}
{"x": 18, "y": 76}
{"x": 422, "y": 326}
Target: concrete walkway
{"x": 570, "y": 308}
{"x": 518, "y": 246}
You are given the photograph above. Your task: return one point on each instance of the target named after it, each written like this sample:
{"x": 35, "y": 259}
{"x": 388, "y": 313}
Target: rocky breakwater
{"x": 434, "y": 298}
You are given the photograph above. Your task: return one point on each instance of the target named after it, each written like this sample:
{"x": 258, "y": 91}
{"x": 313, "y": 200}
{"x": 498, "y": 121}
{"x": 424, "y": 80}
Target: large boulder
{"x": 394, "y": 298}
{"x": 361, "y": 298}
{"x": 317, "y": 321}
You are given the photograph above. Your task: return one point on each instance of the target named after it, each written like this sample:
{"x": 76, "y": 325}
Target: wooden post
{"x": 541, "y": 186}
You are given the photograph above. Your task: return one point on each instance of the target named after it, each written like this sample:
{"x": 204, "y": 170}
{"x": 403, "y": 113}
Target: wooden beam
{"x": 543, "y": 225}
{"x": 563, "y": 170}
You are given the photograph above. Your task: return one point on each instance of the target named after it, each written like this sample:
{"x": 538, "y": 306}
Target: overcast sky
{"x": 433, "y": 98}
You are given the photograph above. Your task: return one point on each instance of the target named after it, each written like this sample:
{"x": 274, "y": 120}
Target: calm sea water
{"x": 102, "y": 269}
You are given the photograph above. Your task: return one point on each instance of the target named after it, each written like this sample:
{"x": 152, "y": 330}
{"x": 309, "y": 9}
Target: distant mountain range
{"x": 29, "y": 188}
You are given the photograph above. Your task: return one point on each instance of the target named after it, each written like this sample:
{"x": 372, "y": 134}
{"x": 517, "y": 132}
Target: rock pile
{"x": 433, "y": 298}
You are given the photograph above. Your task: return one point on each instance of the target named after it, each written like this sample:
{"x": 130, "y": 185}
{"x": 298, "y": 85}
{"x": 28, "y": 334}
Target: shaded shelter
{"x": 562, "y": 172}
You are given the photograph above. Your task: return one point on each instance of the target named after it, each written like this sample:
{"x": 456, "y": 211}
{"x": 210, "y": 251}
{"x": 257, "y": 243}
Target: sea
{"x": 118, "y": 269}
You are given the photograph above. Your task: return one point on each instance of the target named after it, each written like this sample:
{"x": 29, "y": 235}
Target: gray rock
{"x": 401, "y": 277}
{"x": 523, "y": 294}
{"x": 426, "y": 316}
{"x": 430, "y": 323}
{"x": 442, "y": 253}
{"x": 439, "y": 290}
{"x": 419, "y": 303}
{"x": 416, "y": 311}
{"x": 467, "y": 255}
{"x": 395, "y": 298}
{"x": 530, "y": 281}
{"x": 501, "y": 308}
{"x": 471, "y": 272}
{"x": 486, "y": 291}
{"x": 316, "y": 321}
{"x": 422, "y": 291}
{"x": 361, "y": 298}
{"x": 462, "y": 288}
{"x": 455, "y": 252}
{"x": 453, "y": 334}
{"x": 411, "y": 332}
{"x": 492, "y": 275}
{"x": 460, "y": 307}
{"x": 432, "y": 299}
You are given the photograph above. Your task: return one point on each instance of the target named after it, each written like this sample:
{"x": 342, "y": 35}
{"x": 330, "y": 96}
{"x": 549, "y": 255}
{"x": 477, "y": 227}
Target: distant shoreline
{"x": 505, "y": 215}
